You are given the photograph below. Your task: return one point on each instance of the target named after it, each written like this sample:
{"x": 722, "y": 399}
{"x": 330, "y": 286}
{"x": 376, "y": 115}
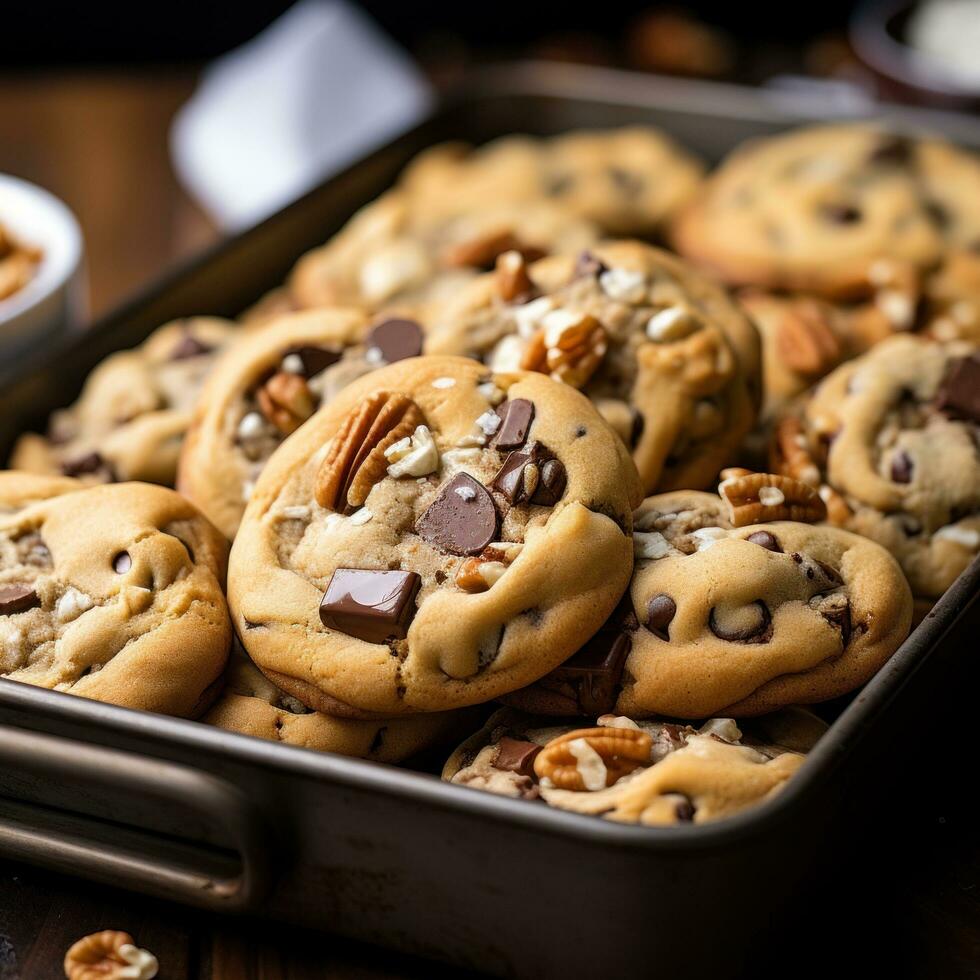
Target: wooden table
{"x": 99, "y": 142}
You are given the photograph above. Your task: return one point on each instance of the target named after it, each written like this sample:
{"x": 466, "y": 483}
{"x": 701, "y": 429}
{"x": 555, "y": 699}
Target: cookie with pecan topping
{"x": 891, "y": 441}
{"x": 668, "y": 359}
{"x": 653, "y": 772}
{"x": 111, "y": 593}
{"x": 130, "y": 419}
{"x": 351, "y": 578}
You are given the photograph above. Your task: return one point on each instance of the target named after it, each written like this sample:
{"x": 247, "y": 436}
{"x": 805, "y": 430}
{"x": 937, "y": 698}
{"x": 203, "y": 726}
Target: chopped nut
{"x": 286, "y": 401}
{"x": 109, "y": 955}
{"x": 569, "y": 347}
{"x": 806, "y": 341}
{"x": 760, "y": 497}
{"x": 790, "y": 453}
{"x": 483, "y": 571}
{"x": 481, "y": 252}
{"x": 417, "y": 455}
{"x": 620, "y": 751}
{"x": 511, "y": 276}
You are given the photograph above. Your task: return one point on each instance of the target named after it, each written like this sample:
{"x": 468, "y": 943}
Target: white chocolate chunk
{"x": 589, "y": 764}
{"x": 251, "y": 425}
{"x": 623, "y": 284}
{"x": 650, "y": 544}
{"x": 141, "y": 964}
{"x": 705, "y": 537}
{"x": 72, "y": 604}
{"x": 419, "y": 458}
{"x": 444, "y": 383}
{"x": 361, "y": 516}
{"x": 293, "y": 364}
{"x": 672, "y": 323}
{"x": 722, "y": 727}
{"x": 528, "y": 316}
{"x": 969, "y": 537}
{"x": 771, "y": 496}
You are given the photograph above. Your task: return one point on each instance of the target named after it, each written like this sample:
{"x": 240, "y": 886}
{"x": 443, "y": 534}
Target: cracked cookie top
{"x": 734, "y": 609}
{"x": 110, "y": 592}
{"x": 652, "y": 772}
{"x": 667, "y": 358}
{"x": 891, "y": 439}
{"x": 818, "y": 209}
{"x": 266, "y": 386}
{"x": 437, "y": 536}
{"x": 130, "y": 419}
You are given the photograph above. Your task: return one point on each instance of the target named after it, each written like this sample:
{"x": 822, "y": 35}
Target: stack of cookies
{"x": 489, "y": 462}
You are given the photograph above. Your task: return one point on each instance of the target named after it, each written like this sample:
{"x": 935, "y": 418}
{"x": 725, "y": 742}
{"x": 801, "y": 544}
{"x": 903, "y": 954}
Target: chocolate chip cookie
{"x": 111, "y": 592}
{"x": 668, "y": 359}
{"x": 891, "y": 441}
{"x": 266, "y": 386}
{"x": 736, "y": 607}
{"x": 650, "y": 772}
{"x": 435, "y": 537}
{"x": 843, "y": 211}
{"x": 130, "y": 419}
{"x": 628, "y": 181}
{"x": 252, "y": 705}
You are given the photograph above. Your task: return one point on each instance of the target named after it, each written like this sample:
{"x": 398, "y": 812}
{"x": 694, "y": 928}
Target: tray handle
{"x": 126, "y": 857}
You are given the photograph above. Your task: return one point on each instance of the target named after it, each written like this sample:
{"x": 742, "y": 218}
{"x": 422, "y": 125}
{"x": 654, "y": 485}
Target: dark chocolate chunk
{"x": 462, "y": 520}
{"x": 315, "y": 359}
{"x": 89, "y": 464}
{"x": 594, "y": 672}
{"x": 371, "y": 605}
{"x": 17, "y": 598}
{"x": 894, "y": 150}
{"x": 515, "y": 417}
{"x": 661, "y": 610}
{"x": 765, "y": 540}
{"x": 397, "y": 339}
{"x": 531, "y": 475}
{"x": 188, "y": 347}
{"x": 959, "y": 394}
{"x": 122, "y": 563}
{"x": 754, "y": 630}
{"x": 514, "y": 480}
{"x": 902, "y": 467}
{"x": 684, "y": 811}
{"x": 588, "y": 265}
{"x": 842, "y": 214}
{"x": 514, "y": 755}
{"x": 551, "y": 483}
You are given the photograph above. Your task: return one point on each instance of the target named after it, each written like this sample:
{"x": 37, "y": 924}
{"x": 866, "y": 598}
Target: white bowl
{"x": 55, "y": 299}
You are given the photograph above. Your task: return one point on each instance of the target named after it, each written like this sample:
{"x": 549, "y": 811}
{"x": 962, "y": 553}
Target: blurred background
{"x": 89, "y": 93}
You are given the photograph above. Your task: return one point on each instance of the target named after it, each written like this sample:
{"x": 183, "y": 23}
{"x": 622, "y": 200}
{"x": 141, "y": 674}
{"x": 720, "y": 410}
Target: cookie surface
{"x": 252, "y": 705}
{"x": 111, "y": 593}
{"x": 130, "y": 419}
{"x": 462, "y": 563}
{"x": 265, "y": 387}
{"x": 818, "y": 209}
{"x": 667, "y": 358}
{"x": 734, "y": 620}
{"x": 649, "y": 772}
{"x": 891, "y": 440}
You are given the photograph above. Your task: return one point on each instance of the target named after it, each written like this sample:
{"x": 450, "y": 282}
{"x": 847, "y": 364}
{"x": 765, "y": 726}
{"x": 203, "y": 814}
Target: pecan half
{"x": 108, "y": 955}
{"x": 806, "y": 342}
{"x": 356, "y": 459}
{"x": 760, "y": 497}
{"x": 286, "y": 401}
{"x": 569, "y": 347}
{"x": 619, "y": 752}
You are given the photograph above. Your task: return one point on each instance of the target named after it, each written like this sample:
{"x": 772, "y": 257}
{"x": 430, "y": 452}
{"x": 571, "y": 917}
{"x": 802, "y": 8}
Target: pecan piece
{"x": 481, "y": 252}
{"x": 482, "y": 571}
{"x": 108, "y": 955}
{"x": 590, "y": 758}
{"x": 791, "y": 454}
{"x": 356, "y": 459}
{"x": 760, "y": 497}
{"x": 511, "y": 278}
{"x": 806, "y": 342}
{"x": 286, "y": 401}
{"x": 569, "y": 347}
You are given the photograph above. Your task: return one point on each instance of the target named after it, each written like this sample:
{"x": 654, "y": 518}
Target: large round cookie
{"x": 111, "y": 592}
{"x": 667, "y": 358}
{"x": 891, "y": 441}
{"x": 130, "y": 419}
{"x": 737, "y": 620}
{"x": 647, "y": 772}
{"x": 410, "y": 548}
{"x": 252, "y": 705}
{"x": 831, "y": 209}
{"x": 265, "y": 387}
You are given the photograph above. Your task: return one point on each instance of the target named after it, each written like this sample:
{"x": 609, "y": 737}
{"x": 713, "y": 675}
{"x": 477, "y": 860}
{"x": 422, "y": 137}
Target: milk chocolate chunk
{"x": 189, "y": 346}
{"x": 396, "y": 338}
{"x": 959, "y": 394}
{"x": 462, "y": 520}
{"x": 515, "y": 417}
{"x": 531, "y": 475}
{"x": 17, "y": 598}
{"x": 314, "y": 359}
{"x": 593, "y": 674}
{"x": 375, "y": 606}
{"x": 90, "y": 463}
{"x": 515, "y": 755}
{"x": 661, "y": 610}
{"x": 747, "y": 624}
{"x": 765, "y": 539}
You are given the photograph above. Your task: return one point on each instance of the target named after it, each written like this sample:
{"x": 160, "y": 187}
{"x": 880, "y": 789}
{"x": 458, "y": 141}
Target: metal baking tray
{"x": 392, "y": 856}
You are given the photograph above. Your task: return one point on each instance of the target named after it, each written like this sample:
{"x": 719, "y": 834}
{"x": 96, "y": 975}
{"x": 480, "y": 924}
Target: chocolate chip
{"x": 894, "y": 150}
{"x": 397, "y": 339}
{"x": 315, "y": 359}
{"x": 188, "y": 347}
{"x": 902, "y": 467}
{"x": 627, "y": 183}
{"x": 515, "y": 417}
{"x": 750, "y": 624}
{"x": 842, "y": 214}
{"x": 684, "y": 811}
{"x": 90, "y": 463}
{"x": 462, "y": 520}
{"x": 592, "y": 675}
{"x": 838, "y": 613}
{"x": 370, "y": 605}
{"x": 558, "y": 184}
{"x": 661, "y": 610}
{"x": 122, "y": 563}
{"x": 551, "y": 483}
{"x": 515, "y": 755}
{"x": 959, "y": 394}
{"x": 937, "y": 214}
{"x": 636, "y": 431}
{"x": 765, "y": 540}
{"x": 587, "y": 265}
{"x": 16, "y": 599}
